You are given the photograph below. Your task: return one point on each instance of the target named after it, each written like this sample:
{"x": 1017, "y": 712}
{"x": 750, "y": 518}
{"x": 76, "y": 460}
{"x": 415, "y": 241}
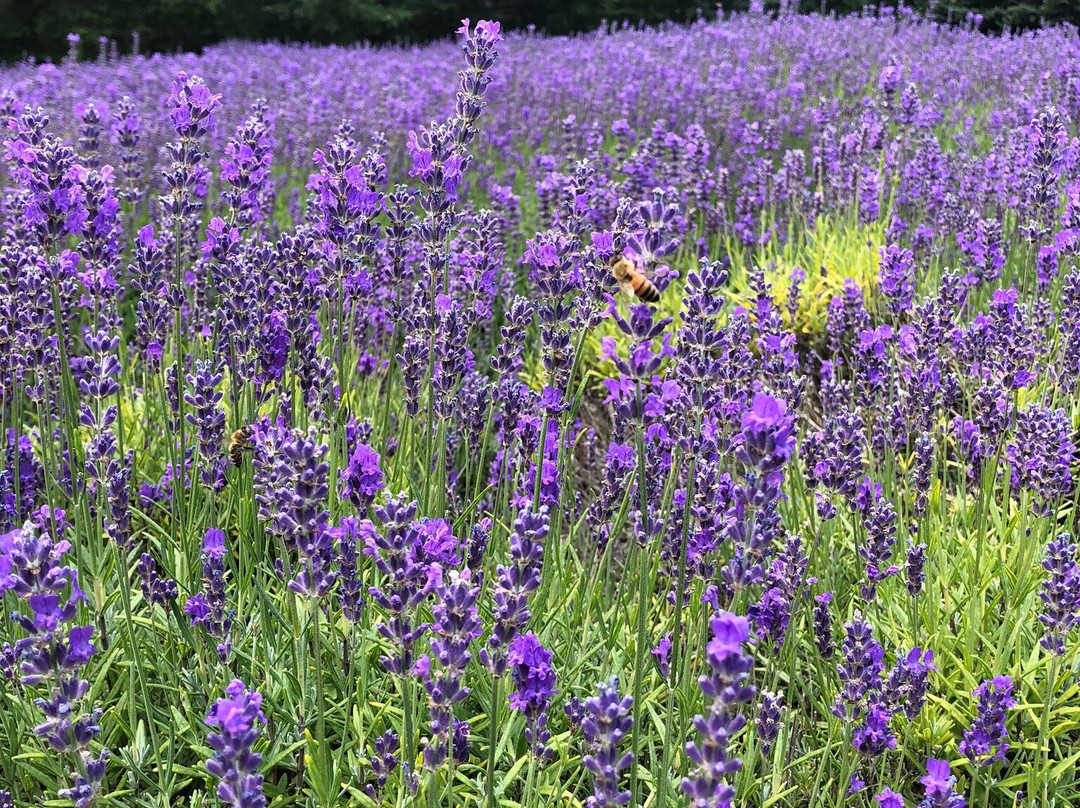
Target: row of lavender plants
{"x": 334, "y": 469}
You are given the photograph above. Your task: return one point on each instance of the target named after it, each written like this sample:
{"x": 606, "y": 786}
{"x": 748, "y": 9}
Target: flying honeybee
{"x": 632, "y": 281}
{"x": 239, "y": 442}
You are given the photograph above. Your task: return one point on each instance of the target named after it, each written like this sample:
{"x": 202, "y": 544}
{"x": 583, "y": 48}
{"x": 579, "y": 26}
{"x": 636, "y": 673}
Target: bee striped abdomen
{"x": 629, "y": 278}
{"x": 645, "y": 289}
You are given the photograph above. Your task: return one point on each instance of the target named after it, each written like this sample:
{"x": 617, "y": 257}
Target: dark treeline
{"x": 38, "y": 28}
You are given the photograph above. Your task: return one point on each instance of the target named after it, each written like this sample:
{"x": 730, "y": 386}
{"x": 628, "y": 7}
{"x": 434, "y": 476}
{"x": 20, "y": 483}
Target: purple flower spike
{"x": 988, "y": 735}
{"x": 823, "y": 633}
{"x": 534, "y": 682}
{"x": 1041, "y": 454}
{"x": 725, "y": 687}
{"x": 940, "y": 785}
{"x": 363, "y": 478}
{"x": 606, "y": 724}
{"x": 52, "y": 651}
{"x": 860, "y": 672}
{"x": 513, "y": 585}
{"x": 456, "y": 625}
{"x": 237, "y": 718}
{"x": 769, "y": 722}
{"x": 210, "y": 608}
{"x": 1060, "y": 593}
{"x": 398, "y": 553}
{"x": 767, "y": 440}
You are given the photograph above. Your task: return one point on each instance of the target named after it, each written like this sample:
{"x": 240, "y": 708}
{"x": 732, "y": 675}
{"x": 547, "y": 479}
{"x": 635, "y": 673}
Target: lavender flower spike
{"x": 456, "y": 625}
{"x": 988, "y": 734}
{"x": 234, "y": 763}
{"x": 725, "y": 686}
{"x": 940, "y": 787}
{"x": 606, "y": 723}
{"x": 769, "y": 721}
{"x": 1060, "y": 593}
{"x": 534, "y": 681}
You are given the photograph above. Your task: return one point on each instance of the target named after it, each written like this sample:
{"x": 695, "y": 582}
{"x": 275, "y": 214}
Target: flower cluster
{"x": 606, "y": 724}
{"x": 534, "y": 687}
{"x": 725, "y": 688}
{"x": 237, "y": 719}
{"x": 986, "y": 740}
{"x": 53, "y": 649}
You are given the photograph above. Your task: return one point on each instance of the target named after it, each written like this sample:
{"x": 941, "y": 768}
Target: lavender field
{"x": 336, "y": 468}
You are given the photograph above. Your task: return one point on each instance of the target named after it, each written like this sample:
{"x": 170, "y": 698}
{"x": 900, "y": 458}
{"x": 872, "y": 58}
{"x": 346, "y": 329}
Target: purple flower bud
{"x": 1060, "y": 593}
{"x": 534, "y": 687}
{"x": 823, "y": 634}
{"x": 606, "y": 725}
{"x": 725, "y": 689}
{"x": 236, "y": 766}
{"x": 988, "y": 734}
{"x": 662, "y": 655}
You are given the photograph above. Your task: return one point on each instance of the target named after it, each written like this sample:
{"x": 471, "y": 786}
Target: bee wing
{"x": 627, "y": 289}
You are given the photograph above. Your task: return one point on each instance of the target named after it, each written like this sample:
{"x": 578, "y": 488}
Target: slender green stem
{"x": 1044, "y": 727}
{"x": 493, "y": 739}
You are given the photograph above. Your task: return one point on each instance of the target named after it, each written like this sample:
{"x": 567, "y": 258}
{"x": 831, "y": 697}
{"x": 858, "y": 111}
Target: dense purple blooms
{"x": 291, "y": 487}
{"x": 1041, "y": 453}
{"x": 725, "y": 689}
{"x": 986, "y": 740}
{"x": 1060, "y": 593}
{"x": 237, "y": 719}
{"x": 455, "y": 625}
{"x": 400, "y": 276}
{"x": 534, "y": 687}
{"x": 53, "y": 649}
{"x": 606, "y": 725}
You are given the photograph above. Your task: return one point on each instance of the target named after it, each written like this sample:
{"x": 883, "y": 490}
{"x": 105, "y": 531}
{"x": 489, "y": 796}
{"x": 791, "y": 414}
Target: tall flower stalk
{"x": 53, "y": 649}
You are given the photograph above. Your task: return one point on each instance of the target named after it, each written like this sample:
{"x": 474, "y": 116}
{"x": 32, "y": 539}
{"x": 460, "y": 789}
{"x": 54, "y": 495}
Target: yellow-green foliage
{"x": 829, "y": 254}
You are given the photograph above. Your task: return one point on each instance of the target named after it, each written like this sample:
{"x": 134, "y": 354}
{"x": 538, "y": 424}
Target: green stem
{"x": 493, "y": 737}
{"x": 1044, "y": 726}
{"x": 673, "y": 684}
